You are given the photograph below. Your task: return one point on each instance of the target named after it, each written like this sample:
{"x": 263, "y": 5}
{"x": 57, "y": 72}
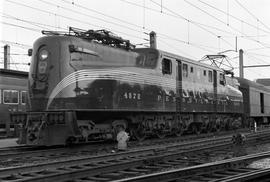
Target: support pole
{"x": 6, "y": 57}
{"x": 153, "y": 40}
{"x": 241, "y": 64}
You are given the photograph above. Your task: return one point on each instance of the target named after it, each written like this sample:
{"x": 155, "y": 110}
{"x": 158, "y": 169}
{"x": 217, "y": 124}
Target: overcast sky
{"x": 190, "y": 28}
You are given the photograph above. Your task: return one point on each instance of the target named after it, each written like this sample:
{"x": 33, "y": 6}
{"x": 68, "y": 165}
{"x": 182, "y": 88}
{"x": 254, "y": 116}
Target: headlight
{"x": 44, "y": 54}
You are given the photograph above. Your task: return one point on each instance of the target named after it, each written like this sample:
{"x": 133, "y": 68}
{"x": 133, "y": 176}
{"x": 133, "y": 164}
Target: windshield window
{"x": 147, "y": 60}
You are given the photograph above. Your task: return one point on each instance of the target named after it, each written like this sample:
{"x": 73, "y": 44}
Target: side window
{"x": 210, "y": 76}
{"x": 185, "y": 70}
{"x": 10, "y": 97}
{"x": 222, "y": 80}
{"x": 204, "y": 72}
{"x": 23, "y": 97}
{"x": 191, "y": 69}
{"x": 166, "y": 66}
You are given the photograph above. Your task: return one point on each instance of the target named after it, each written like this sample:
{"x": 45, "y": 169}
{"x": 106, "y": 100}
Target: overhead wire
{"x": 179, "y": 50}
{"x": 165, "y": 35}
{"x": 196, "y": 45}
{"x": 255, "y": 58}
{"x": 69, "y": 18}
{"x": 193, "y": 22}
{"x": 262, "y": 55}
{"x": 37, "y": 24}
{"x": 249, "y": 12}
{"x": 96, "y": 11}
{"x": 84, "y": 14}
{"x": 256, "y": 49}
{"x": 175, "y": 16}
{"x": 100, "y": 13}
{"x": 230, "y": 15}
{"x": 24, "y": 27}
{"x": 113, "y": 18}
{"x": 263, "y": 44}
{"x": 25, "y": 46}
{"x": 16, "y": 54}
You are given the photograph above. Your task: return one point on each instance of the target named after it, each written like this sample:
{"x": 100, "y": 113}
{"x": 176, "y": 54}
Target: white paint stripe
{"x": 119, "y": 75}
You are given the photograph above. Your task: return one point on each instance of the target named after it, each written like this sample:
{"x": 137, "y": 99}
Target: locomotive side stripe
{"x": 83, "y": 75}
{"x": 112, "y": 74}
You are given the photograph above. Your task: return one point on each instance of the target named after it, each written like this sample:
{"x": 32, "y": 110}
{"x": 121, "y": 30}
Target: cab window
{"x": 10, "y": 97}
{"x": 147, "y": 60}
{"x": 166, "y": 66}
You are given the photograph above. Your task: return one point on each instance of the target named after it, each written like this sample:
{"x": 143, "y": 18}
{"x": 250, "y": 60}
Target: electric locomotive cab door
{"x": 178, "y": 85}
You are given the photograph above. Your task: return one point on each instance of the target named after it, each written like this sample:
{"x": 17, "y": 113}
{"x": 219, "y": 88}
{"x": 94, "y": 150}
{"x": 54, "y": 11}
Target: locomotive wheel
{"x": 209, "y": 128}
{"x": 217, "y": 128}
{"x": 179, "y": 130}
{"x": 160, "y": 132}
{"x": 196, "y": 129}
{"x": 139, "y": 132}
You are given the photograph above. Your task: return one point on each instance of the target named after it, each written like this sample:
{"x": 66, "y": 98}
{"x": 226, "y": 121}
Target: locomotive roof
{"x": 108, "y": 38}
{"x": 104, "y": 37}
{"x": 248, "y": 83}
{"x": 13, "y": 73}
{"x": 263, "y": 81}
{"x": 189, "y": 60}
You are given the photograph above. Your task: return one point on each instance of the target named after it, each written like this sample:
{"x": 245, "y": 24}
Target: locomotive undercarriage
{"x": 67, "y": 127}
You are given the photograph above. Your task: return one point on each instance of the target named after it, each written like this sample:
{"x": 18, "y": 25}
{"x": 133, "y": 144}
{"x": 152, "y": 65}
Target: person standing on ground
{"x": 122, "y": 138}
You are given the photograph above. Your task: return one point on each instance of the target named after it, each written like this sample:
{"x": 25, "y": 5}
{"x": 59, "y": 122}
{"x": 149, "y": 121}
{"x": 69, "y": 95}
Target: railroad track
{"x": 230, "y": 170}
{"x": 120, "y": 165}
{"x": 21, "y": 155}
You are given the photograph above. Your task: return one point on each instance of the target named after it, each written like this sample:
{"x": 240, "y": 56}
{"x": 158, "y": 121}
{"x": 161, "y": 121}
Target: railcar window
{"x": 262, "y": 102}
{"x": 23, "y": 97}
{"x": 210, "y": 76}
{"x": 166, "y": 66}
{"x": 204, "y": 72}
{"x": 10, "y": 97}
{"x": 222, "y": 80}
{"x": 185, "y": 70}
{"x": 191, "y": 69}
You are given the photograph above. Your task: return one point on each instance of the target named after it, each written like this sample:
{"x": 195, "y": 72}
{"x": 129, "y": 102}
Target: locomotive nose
{"x": 43, "y": 71}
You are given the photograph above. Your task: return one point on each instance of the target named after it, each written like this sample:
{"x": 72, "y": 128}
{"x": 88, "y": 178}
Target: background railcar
{"x": 257, "y": 100}
{"x": 13, "y": 97}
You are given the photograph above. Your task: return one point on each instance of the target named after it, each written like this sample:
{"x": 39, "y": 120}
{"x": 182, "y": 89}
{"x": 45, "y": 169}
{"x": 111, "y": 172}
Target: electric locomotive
{"x": 83, "y": 85}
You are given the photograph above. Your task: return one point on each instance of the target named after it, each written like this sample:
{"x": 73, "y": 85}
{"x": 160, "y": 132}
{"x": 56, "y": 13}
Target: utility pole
{"x": 6, "y": 57}
{"x": 241, "y": 64}
{"x": 153, "y": 40}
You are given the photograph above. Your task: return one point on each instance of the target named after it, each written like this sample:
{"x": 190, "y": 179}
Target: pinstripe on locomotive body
{"x": 81, "y": 89}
